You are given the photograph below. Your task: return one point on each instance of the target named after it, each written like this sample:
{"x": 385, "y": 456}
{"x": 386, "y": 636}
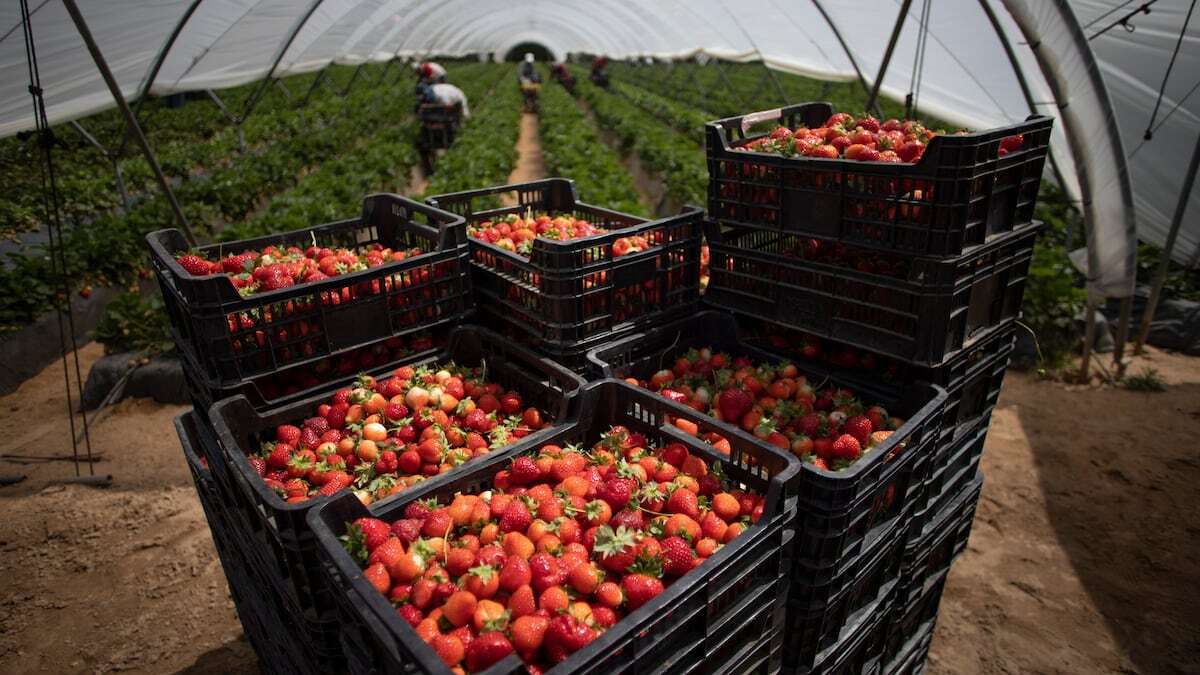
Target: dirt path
{"x": 530, "y": 165}
{"x": 1083, "y": 556}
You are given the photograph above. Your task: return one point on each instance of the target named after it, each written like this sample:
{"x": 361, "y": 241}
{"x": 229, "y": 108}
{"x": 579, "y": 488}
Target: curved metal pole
{"x": 1022, "y": 81}
{"x": 838, "y": 34}
{"x": 161, "y": 58}
{"x": 266, "y": 81}
{"x": 887, "y": 54}
{"x": 115, "y": 89}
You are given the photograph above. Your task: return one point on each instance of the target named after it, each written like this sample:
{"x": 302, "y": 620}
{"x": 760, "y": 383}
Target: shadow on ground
{"x": 1122, "y": 500}
{"x": 232, "y": 658}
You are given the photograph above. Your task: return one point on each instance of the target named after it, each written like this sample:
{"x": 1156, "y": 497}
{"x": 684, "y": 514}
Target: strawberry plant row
{"x": 722, "y": 606}
{"x": 681, "y": 165}
{"x": 571, "y": 147}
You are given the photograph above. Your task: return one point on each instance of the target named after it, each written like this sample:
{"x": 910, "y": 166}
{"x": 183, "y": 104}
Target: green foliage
{"x": 134, "y": 323}
{"x": 573, "y": 149}
{"x": 1055, "y": 298}
{"x": 1148, "y": 380}
{"x": 674, "y": 156}
{"x": 289, "y": 150}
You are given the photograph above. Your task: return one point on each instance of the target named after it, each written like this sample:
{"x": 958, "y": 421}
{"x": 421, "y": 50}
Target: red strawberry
{"x": 524, "y": 471}
{"x": 279, "y": 456}
{"x": 259, "y": 465}
{"x": 374, "y": 532}
{"x": 287, "y": 433}
{"x": 733, "y": 404}
{"x": 515, "y": 573}
{"x": 846, "y": 447}
{"x": 632, "y": 519}
{"x": 640, "y": 589}
{"x": 194, "y": 264}
{"x": 617, "y": 548}
{"x": 486, "y": 650}
{"x": 677, "y": 556}
{"x": 617, "y": 492}
{"x": 410, "y": 614}
{"x": 566, "y": 635}
{"x": 337, "y": 481}
{"x": 684, "y": 501}
{"x": 407, "y": 529}
{"x": 859, "y": 427}
{"x": 516, "y": 517}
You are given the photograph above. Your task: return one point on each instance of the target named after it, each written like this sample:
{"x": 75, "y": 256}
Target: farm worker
{"x": 431, "y": 73}
{"x": 443, "y": 93}
{"x": 526, "y": 72}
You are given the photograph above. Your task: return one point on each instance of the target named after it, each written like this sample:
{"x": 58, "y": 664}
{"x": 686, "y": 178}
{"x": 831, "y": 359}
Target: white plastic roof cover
{"x": 967, "y": 77}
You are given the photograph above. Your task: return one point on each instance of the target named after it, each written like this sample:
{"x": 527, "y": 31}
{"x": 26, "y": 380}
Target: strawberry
{"x": 515, "y": 573}
{"x": 486, "y": 650}
{"x": 407, "y": 530}
{"x": 338, "y": 481}
{"x": 846, "y": 447}
{"x": 566, "y": 635}
{"x": 194, "y": 264}
{"x": 677, "y": 556}
{"x": 410, "y": 614}
{"x": 640, "y": 589}
{"x": 279, "y": 456}
{"x": 528, "y": 632}
{"x": 733, "y": 404}
{"x": 617, "y": 492}
{"x": 259, "y": 465}
{"x": 615, "y": 547}
{"x": 684, "y": 501}
{"x": 859, "y": 427}
{"x": 516, "y": 518}
{"x": 449, "y": 649}
{"x": 524, "y": 471}
{"x": 287, "y": 433}
{"x": 374, "y": 532}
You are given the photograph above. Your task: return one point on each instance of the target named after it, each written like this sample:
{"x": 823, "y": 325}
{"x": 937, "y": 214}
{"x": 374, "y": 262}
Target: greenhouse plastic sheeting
{"x": 1102, "y": 99}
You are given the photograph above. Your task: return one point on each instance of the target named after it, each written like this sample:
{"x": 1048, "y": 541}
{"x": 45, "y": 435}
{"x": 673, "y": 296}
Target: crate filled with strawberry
{"x": 289, "y": 384}
{"x": 615, "y": 545}
{"x": 864, "y": 452}
{"x": 893, "y": 185}
{"x": 918, "y": 310}
{"x": 564, "y": 272}
{"x": 377, "y": 437}
{"x": 245, "y": 308}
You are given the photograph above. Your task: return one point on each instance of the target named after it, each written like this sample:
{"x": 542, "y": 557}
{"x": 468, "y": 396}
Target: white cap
{"x": 528, "y": 57}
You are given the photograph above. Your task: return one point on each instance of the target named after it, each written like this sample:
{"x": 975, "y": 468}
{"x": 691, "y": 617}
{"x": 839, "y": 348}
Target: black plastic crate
{"x": 575, "y": 356}
{"x": 439, "y": 125}
{"x": 821, "y": 610}
{"x": 701, "y": 623}
{"x": 938, "y": 308}
{"x": 232, "y": 338}
{"x": 277, "y": 641}
{"x": 279, "y": 388}
{"x": 283, "y": 543}
{"x": 913, "y": 653}
{"x": 568, "y": 292}
{"x": 858, "y": 652}
{"x": 954, "y": 470}
{"x": 972, "y": 378}
{"x": 931, "y": 550}
{"x": 841, "y": 512}
{"x": 956, "y": 196}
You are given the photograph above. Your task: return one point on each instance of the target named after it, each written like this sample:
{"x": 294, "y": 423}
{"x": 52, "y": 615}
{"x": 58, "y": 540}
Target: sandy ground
{"x": 1083, "y": 557}
{"x": 530, "y": 165}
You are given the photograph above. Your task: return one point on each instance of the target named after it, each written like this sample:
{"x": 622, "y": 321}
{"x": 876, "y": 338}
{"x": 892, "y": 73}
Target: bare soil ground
{"x": 530, "y": 165}
{"x": 1083, "y": 557}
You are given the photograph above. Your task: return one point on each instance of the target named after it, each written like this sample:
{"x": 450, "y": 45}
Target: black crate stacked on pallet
{"x": 281, "y": 346}
{"x": 279, "y": 543}
{"x": 725, "y": 616}
{"x": 568, "y": 297}
{"x": 920, "y": 270}
{"x": 230, "y": 342}
{"x": 851, "y": 524}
